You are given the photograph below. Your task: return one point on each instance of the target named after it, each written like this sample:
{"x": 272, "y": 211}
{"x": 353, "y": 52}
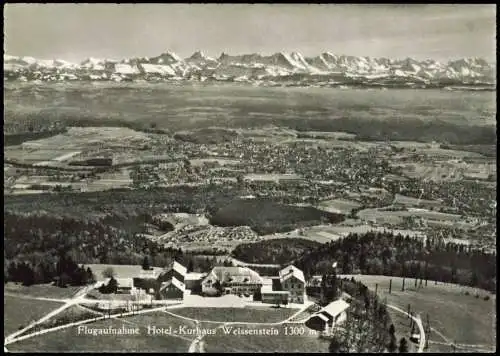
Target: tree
{"x": 145, "y": 264}
{"x": 218, "y": 287}
{"x": 392, "y": 329}
{"x": 333, "y": 284}
{"x": 336, "y": 346}
{"x": 257, "y": 296}
{"x": 28, "y": 276}
{"x": 112, "y": 285}
{"x": 403, "y": 345}
{"x": 190, "y": 266}
{"x": 392, "y": 347}
{"x": 90, "y": 276}
{"x": 109, "y": 272}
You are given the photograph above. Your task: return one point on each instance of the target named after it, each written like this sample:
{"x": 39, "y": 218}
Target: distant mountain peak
{"x": 199, "y": 55}
{"x": 326, "y": 68}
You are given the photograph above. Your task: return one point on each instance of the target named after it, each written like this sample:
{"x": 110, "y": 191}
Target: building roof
{"x": 194, "y": 276}
{"x": 267, "y": 281}
{"x": 173, "y": 282}
{"x": 122, "y": 282}
{"x": 322, "y": 317}
{"x": 178, "y": 283}
{"x": 266, "y": 288}
{"x": 148, "y": 274}
{"x": 234, "y": 275}
{"x": 290, "y": 271}
{"x": 179, "y": 268}
{"x": 335, "y": 308}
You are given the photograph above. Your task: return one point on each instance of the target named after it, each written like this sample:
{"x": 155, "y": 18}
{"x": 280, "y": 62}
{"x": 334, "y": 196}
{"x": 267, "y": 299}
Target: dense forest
{"x": 44, "y": 248}
{"x": 36, "y": 238}
{"x": 275, "y": 251}
{"x": 124, "y": 202}
{"x": 207, "y": 136}
{"x": 381, "y": 253}
{"x": 18, "y": 138}
{"x": 368, "y": 327}
{"x": 63, "y": 272}
{"x": 397, "y": 130}
{"x": 394, "y": 255}
{"x": 266, "y": 216}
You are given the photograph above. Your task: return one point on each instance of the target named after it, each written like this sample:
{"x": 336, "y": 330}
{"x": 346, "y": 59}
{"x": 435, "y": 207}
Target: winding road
{"x": 418, "y": 321}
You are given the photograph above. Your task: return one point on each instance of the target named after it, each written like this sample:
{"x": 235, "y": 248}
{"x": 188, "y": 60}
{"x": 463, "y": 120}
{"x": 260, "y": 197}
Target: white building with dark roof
{"x": 293, "y": 281}
{"x": 232, "y": 280}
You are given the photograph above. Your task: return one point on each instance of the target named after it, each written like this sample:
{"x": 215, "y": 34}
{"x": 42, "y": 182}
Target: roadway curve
{"x": 417, "y": 320}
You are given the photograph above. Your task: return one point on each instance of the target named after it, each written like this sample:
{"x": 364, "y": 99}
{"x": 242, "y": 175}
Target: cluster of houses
{"x": 174, "y": 282}
{"x": 289, "y": 286}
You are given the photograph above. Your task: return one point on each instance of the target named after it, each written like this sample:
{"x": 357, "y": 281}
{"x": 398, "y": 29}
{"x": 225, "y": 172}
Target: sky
{"x": 77, "y": 31}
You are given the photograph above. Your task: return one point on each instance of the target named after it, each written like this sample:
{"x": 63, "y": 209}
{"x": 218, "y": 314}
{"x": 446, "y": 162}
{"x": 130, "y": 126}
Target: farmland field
{"x": 40, "y": 290}
{"x": 410, "y": 201}
{"x": 20, "y": 312}
{"x": 326, "y": 233}
{"x": 448, "y": 171}
{"x": 271, "y": 177}
{"x": 396, "y": 217}
{"x": 455, "y": 315}
{"x": 341, "y": 206}
{"x": 122, "y": 271}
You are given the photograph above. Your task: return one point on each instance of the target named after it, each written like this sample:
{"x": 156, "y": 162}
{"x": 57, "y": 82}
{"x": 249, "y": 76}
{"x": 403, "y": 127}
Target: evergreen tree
{"x": 403, "y": 345}
{"x": 90, "y": 276}
{"x": 392, "y": 329}
{"x": 392, "y": 347}
{"x": 190, "y": 265}
{"x": 112, "y": 285}
{"x": 218, "y": 287}
{"x": 145, "y": 264}
{"x": 336, "y": 346}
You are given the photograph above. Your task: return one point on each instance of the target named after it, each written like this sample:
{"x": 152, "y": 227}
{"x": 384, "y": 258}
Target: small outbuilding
{"x": 328, "y": 317}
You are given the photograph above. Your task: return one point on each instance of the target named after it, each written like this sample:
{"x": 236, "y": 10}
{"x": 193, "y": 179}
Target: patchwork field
{"x": 410, "y": 201}
{"x": 454, "y": 312}
{"x": 448, "y": 171}
{"x": 19, "y": 312}
{"x": 271, "y": 177}
{"x": 110, "y": 180}
{"x": 75, "y": 144}
{"x": 382, "y": 216}
{"x": 341, "y": 206}
{"x": 219, "y": 161}
{"x": 327, "y": 233}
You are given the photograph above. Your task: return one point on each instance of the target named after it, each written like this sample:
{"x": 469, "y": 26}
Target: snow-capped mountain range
{"x": 280, "y": 68}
